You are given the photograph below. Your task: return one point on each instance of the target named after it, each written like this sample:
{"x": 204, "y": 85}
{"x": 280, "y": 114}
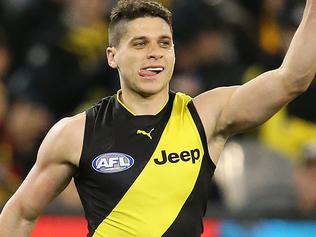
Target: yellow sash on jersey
{"x": 154, "y": 200}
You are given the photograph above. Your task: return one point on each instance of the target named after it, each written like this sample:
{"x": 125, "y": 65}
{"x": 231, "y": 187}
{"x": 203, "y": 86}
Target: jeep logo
{"x": 185, "y": 156}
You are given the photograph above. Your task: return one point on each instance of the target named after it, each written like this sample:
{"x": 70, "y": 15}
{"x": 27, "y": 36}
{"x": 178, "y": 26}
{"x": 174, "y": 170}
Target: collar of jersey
{"x": 130, "y": 111}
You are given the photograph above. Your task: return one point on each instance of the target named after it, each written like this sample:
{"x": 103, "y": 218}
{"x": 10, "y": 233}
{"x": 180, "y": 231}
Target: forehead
{"x": 152, "y": 27}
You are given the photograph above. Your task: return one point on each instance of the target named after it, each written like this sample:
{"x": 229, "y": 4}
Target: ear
{"x": 110, "y": 54}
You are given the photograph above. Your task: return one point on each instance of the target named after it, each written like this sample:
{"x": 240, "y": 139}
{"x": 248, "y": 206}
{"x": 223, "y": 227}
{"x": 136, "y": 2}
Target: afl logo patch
{"x": 112, "y": 162}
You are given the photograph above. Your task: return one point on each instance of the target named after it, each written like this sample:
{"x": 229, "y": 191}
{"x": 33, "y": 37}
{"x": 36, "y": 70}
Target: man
{"x": 142, "y": 159}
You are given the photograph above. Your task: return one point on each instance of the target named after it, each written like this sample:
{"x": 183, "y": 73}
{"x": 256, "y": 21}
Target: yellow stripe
{"x": 119, "y": 94}
{"x": 156, "y": 197}
{"x": 121, "y": 102}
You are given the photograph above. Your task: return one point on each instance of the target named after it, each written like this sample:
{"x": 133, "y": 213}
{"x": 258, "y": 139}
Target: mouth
{"x": 150, "y": 71}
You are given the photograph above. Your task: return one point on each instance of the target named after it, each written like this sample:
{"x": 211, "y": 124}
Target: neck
{"x": 143, "y": 105}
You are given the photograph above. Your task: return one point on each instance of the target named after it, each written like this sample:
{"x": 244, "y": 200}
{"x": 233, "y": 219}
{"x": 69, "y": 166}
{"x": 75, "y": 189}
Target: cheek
{"x": 172, "y": 57}
{"x": 128, "y": 65}
{"x": 128, "y": 59}
{"x": 171, "y": 61}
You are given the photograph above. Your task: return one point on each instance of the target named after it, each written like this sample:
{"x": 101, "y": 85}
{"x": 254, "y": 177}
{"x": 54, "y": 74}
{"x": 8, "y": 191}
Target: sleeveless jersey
{"x": 145, "y": 175}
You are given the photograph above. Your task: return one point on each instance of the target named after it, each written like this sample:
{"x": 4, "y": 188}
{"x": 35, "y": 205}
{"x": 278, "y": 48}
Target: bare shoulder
{"x": 63, "y": 143}
{"x": 210, "y": 105}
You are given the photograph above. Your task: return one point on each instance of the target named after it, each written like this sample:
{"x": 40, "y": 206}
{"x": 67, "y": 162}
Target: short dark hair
{"x": 127, "y": 10}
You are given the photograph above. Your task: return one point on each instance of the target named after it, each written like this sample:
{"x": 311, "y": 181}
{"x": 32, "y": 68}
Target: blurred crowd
{"x": 52, "y": 65}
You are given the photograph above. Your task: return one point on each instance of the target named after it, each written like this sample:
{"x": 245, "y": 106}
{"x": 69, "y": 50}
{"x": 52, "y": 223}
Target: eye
{"x": 165, "y": 43}
{"x": 139, "y": 44}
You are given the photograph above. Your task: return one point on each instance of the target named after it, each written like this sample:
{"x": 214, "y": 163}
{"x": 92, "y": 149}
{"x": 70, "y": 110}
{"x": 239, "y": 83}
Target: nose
{"x": 154, "y": 51}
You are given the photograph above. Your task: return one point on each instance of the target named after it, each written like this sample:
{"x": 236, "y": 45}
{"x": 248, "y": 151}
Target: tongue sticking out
{"x": 146, "y": 73}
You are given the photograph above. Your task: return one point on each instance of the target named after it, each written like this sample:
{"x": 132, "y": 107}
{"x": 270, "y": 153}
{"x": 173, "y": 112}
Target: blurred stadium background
{"x": 52, "y": 64}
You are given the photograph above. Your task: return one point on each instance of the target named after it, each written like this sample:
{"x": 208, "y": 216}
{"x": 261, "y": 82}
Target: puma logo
{"x": 148, "y": 134}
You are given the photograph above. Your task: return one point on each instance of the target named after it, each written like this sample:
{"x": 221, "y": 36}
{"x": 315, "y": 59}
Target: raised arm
{"x": 56, "y": 163}
{"x": 229, "y": 110}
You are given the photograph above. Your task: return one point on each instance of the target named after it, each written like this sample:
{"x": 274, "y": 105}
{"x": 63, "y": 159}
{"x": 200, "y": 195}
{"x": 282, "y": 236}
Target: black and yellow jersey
{"x": 144, "y": 175}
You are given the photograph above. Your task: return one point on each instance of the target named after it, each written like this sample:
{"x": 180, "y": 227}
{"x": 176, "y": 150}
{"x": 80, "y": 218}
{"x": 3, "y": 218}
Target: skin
{"x": 236, "y": 109}
{"x": 147, "y": 42}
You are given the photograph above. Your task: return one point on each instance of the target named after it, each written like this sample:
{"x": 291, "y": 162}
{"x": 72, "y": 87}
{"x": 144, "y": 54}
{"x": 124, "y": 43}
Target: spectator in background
{"x": 65, "y": 59}
{"x": 9, "y": 174}
{"x": 5, "y": 55}
{"x": 63, "y": 63}
{"x": 211, "y": 50}
{"x": 19, "y": 142}
{"x": 298, "y": 120}
{"x": 24, "y": 20}
{"x": 3, "y": 100}
{"x": 305, "y": 177}
{"x": 9, "y": 177}
{"x": 255, "y": 180}
{"x": 277, "y": 21}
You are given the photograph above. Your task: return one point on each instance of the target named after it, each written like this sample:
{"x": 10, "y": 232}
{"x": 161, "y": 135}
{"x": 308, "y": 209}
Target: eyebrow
{"x": 165, "y": 37}
{"x": 145, "y": 38}
{"x": 138, "y": 38}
